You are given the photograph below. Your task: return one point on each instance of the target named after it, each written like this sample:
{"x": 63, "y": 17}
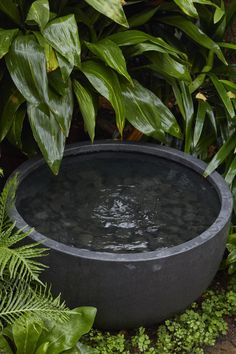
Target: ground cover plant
{"x": 198, "y": 326}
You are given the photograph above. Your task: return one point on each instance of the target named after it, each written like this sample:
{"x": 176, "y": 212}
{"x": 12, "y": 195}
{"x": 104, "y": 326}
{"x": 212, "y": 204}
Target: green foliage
{"x": 31, "y": 319}
{"x": 231, "y": 247}
{"x": 49, "y": 336}
{"x": 198, "y": 326}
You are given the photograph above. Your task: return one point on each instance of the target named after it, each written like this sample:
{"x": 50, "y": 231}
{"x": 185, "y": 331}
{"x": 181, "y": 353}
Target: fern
{"x": 19, "y": 262}
{"x": 19, "y": 272}
{"x": 7, "y": 198}
{"x": 19, "y": 300}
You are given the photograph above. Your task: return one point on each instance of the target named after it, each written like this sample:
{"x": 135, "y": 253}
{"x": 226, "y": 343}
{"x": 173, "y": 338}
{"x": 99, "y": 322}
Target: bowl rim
{"x": 180, "y": 157}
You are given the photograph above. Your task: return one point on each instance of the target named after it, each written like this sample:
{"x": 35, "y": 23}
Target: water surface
{"x": 118, "y": 202}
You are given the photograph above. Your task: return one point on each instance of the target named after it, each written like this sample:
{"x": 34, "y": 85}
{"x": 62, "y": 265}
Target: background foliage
{"x": 59, "y": 57}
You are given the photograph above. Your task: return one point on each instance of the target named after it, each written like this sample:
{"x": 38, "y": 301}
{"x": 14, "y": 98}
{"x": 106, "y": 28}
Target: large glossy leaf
{"x": 26, "y": 64}
{"x": 86, "y": 105}
{"x": 200, "y": 118}
{"x": 141, "y": 48}
{"x": 26, "y": 335}
{"x": 221, "y": 155}
{"x": 112, "y": 9}
{"x": 110, "y": 52}
{"x": 219, "y": 13}
{"x": 62, "y": 107}
{"x": 52, "y": 62}
{"x": 42, "y": 349}
{"x": 189, "y": 111}
{"x": 227, "y": 45}
{"x": 142, "y": 17}
{"x": 6, "y": 38}
{"x": 14, "y": 134}
{"x": 231, "y": 173}
{"x": 64, "y": 336}
{"x": 4, "y": 346}
{"x": 145, "y": 111}
{"x": 132, "y": 37}
{"x": 14, "y": 100}
{"x": 10, "y": 8}
{"x": 229, "y": 84}
{"x": 39, "y": 13}
{"x": 105, "y": 81}
{"x": 195, "y": 33}
{"x": 199, "y": 80}
{"x": 65, "y": 66}
{"x": 167, "y": 66}
{"x": 48, "y": 135}
{"x": 62, "y": 35}
{"x": 187, "y": 6}
{"x": 223, "y": 94}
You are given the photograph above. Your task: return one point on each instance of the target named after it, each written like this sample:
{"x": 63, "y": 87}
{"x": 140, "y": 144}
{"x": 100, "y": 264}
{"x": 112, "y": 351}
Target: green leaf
{"x": 10, "y": 8}
{"x": 52, "y": 62}
{"x": 231, "y": 173}
{"x": 82, "y": 349}
{"x": 64, "y": 336}
{"x": 195, "y": 33}
{"x": 62, "y": 107}
{"x": 187, "y": 6}
{"x": 112, "y": 9}
{"x": 42, "y": 349}
{"x": 48, "y": 135}
{"x": 223, "y": 94}
{"x": 39, "y": 13}
{"x": 85, "y": 101}
{"x": 105, "y": 81}
{"x": 229, "y": 84}
{"x": 4, "y": 346}
{"x": 111, "y": 54}
{"x": 6, "y": 38}
{"x": 132, "y": 37}
{"x": 26, "y": 334}
{"x": 14, "y": 134}
{"x": 219, "y": 13}
{"x": 189, "y": 111}
{"x": 143, "y": 17}
{"x": 14, "y": 100}
{"x": 200, "y": 118}
{"x": 65, "y": 66}
{"x": 62, "y": 35}
{"x": 147, "y": 113}
{"x": 141, "y": 48}
{"x": 221, "y": 155}
{"x": 227, "y": 45}
{"x": 167, "y": 66}
{"x": 26, "y": 64}
{"x": 24, "y": 301}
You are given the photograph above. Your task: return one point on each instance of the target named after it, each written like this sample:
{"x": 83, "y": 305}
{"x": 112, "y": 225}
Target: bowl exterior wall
{"x": 131, "y": 290}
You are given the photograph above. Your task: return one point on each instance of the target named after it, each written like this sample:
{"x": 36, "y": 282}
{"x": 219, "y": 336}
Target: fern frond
{"x": 11, "y": 235}
{"x": 19, "y": 300}
{"x": 20, "y": 263}
{"x": 7, "y": 198}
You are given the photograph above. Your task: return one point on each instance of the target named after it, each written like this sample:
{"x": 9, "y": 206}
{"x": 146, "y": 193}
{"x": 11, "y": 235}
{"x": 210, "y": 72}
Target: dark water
{"x": 118, "y": 202}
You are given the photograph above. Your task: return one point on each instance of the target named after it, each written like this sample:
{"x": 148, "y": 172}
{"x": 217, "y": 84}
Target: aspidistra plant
{"x": 46, "y": 55}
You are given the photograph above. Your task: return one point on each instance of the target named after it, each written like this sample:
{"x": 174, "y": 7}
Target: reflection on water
{"x": 118, "y": 202}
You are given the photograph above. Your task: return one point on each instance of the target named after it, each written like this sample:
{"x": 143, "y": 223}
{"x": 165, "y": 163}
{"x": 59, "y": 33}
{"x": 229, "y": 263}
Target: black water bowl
{"x": 133, "y": 229}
